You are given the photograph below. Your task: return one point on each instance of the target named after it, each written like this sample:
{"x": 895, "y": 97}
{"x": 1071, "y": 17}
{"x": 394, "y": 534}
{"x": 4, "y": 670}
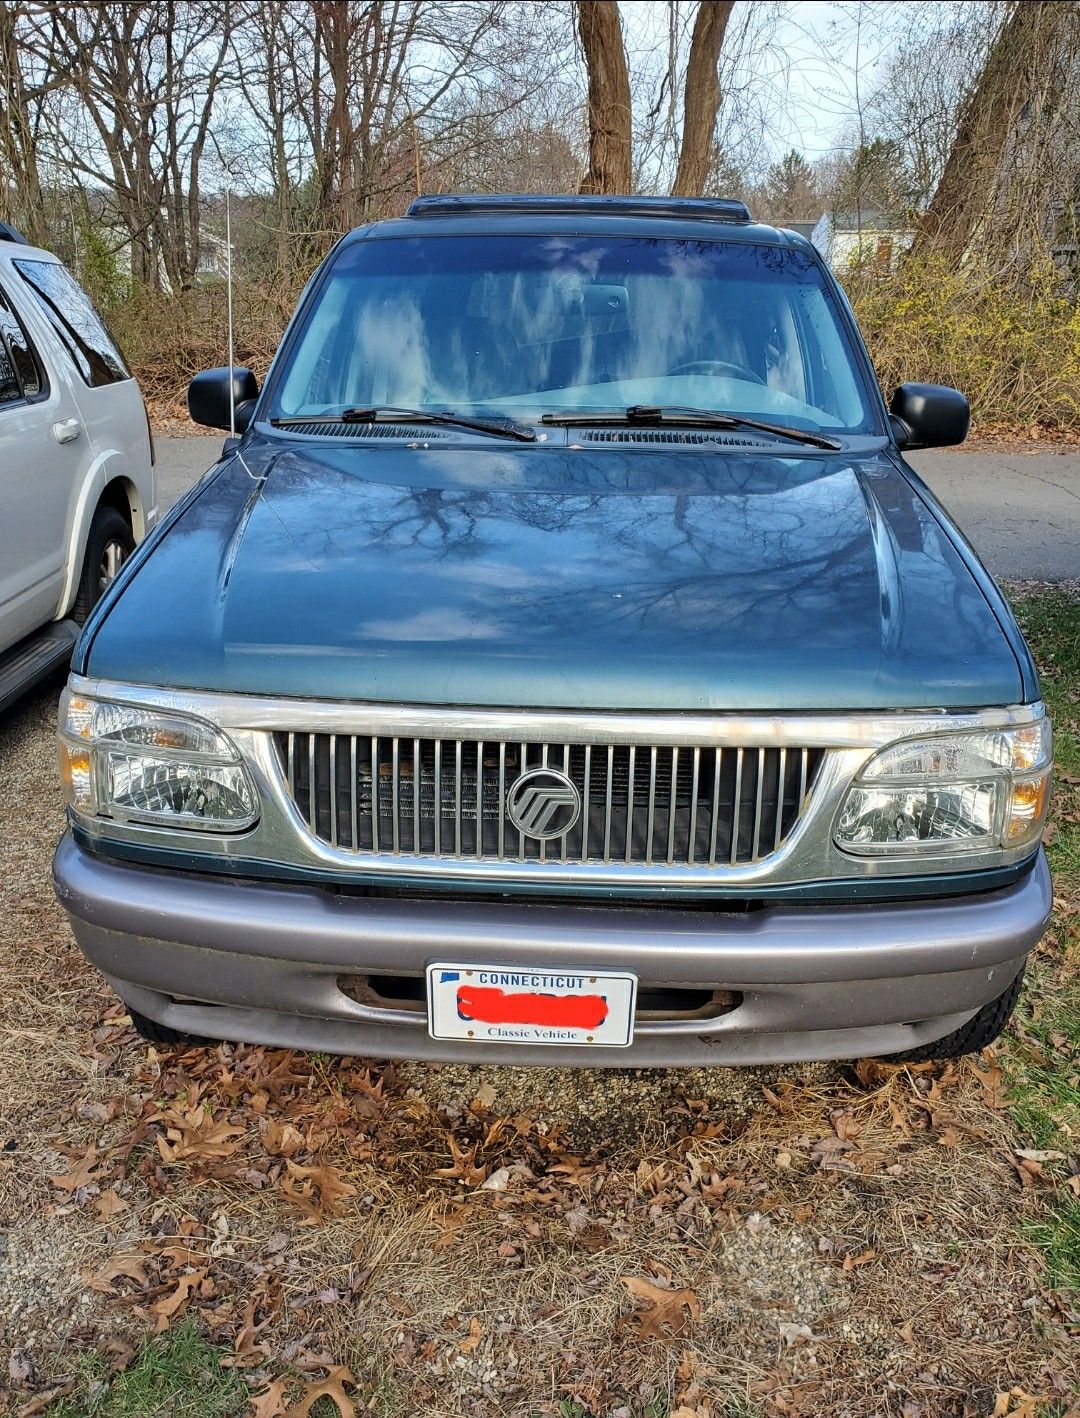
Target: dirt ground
{"x": 407, "y": 1239}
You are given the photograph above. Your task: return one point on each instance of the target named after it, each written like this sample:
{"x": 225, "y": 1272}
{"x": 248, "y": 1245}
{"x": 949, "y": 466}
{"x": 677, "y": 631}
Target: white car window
{"x": 72, "y": 315}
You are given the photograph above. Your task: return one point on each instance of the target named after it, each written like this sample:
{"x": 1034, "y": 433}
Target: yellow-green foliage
{"x": 1011, "y": 342}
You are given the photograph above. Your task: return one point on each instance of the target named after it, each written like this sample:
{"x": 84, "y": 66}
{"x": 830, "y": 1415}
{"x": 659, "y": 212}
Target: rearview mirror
{"x": 929, "y": 416}
{"x": 208, "y": 397}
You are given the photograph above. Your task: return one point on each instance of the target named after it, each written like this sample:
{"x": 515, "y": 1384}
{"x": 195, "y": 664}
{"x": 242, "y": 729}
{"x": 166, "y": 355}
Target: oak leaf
{"x": 109, "y": 1203}
{"x": 197, "y": 1134}
{"x": 282, "y": 1139}
{"x": 300, "y": 1183}
{"x": 269, "y": 1402}
{"x": 88, "y": 1169}
{"x": 180, "y": 1296}
{"x": 668, "y": 1312}
{"x": 333, "y": 1388}
{"x": 129, "y": 1264}
{"x": 863, "y": 1258}
{"x": 463, "y": 1166}
{"x": 473, "y": 1338}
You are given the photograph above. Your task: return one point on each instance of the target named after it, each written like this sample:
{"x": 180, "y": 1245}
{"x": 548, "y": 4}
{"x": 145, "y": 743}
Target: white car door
{"x": 37, "y": 470}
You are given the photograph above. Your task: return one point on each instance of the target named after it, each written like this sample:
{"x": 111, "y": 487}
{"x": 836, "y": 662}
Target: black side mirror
{"x": 208, "y": 397}
{"x": 929, "y": 416}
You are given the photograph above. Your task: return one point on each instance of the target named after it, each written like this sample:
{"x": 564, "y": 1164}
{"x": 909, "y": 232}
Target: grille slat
{"x": 736, "y": 823}
{"x": 687, "y": 805}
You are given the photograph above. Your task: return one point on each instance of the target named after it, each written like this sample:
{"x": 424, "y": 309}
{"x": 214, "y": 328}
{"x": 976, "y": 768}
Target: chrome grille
{"x": 684, "y": 805}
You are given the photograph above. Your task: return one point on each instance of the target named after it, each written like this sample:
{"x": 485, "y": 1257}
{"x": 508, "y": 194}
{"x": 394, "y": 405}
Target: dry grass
{"x": 850, "y": 1242}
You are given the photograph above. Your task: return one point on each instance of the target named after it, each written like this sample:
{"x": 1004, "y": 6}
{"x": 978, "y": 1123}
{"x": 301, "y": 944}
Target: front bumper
{"x": 263, "y": 963}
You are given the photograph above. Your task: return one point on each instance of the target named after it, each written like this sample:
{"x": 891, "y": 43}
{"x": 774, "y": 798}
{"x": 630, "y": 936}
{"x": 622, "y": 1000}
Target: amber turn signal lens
{"x": 1027, "y": 809}
{"x": 75, "y": 776}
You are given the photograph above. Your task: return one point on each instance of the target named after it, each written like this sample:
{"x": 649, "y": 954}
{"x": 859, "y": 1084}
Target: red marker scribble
{"x": 492, "y": 1006}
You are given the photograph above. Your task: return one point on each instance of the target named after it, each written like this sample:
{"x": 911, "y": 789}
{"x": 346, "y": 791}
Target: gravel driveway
{"x": 1020, "y": 510}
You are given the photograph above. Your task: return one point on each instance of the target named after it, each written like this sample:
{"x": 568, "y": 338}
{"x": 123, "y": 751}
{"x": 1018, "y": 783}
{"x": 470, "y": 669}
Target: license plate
{"x": 492, "y": 1005}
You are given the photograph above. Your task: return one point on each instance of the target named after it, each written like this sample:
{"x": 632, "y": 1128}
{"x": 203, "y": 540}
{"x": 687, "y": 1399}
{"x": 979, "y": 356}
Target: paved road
{"x": 1021, "y": 510}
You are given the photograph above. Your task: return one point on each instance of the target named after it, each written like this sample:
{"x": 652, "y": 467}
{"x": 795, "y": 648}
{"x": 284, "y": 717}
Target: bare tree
{"x": 610, "y": 128}
{"x": 701, "y": 97}
{"x": 133, "y": 116}
{"x": 1019, "y": 90}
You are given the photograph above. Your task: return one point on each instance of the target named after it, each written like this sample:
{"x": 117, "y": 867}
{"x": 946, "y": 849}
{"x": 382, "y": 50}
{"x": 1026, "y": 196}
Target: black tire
{"x": 981, "y": 1029}
{"x": 156, "y": 1033}
{"x": 109, "y": 544}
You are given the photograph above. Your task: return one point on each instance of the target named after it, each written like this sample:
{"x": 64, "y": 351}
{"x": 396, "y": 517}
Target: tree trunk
{"x": 609, "y": 97}
{"x": 17, "y": 147}
{"x": 986, "y": 124}
{"x": 701, "y": 97}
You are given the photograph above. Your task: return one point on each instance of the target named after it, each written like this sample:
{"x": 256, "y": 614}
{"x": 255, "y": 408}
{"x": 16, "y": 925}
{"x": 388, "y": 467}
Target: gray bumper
{"x": 262, "y": 962}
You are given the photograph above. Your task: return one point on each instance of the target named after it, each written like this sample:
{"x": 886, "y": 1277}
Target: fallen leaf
{"x": 128, "y": 1264}
{"x": 574, "y": 1170}
{"x": 333, "y": 1388}
{"x": 299, "y": 1186}
{"x": 1016, "y": 1404}
{"x": 863, "y": 1258}
{"x": 667, "y": 1310}
{"x": 485, "y": 1098}
{"x": 991, "y": 1080}
{"x": 463, "y": 1166}
{"x": 20, "y": 1367}
{"x": 47, "y": 1398}
{"x": 180, "y": 1295}
{"x": 451, "y": 1224}
{"x": 196, "y": 1134}
{"x": 475, "y": 1335}
{"x": 269, "y": 1402}
{"x": 281, "y": 1139}
{"x": 88, "y": 1169}
{"x": 109, "y": 1204}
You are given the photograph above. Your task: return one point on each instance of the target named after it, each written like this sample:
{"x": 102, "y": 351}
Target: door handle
{"x": 67, "y": 430}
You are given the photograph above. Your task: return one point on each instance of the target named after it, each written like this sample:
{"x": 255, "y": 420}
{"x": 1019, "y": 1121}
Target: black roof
{"x": 717, "y": 209}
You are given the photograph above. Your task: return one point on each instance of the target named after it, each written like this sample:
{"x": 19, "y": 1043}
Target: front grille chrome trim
{"x": 405, "y": 803}
{"x": 807, "y": 853}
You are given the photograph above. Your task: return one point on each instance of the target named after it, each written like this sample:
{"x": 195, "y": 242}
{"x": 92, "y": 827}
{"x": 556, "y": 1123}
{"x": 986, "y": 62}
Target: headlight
{"x": 152, "y": 765}
{"x": 951, "y": 792}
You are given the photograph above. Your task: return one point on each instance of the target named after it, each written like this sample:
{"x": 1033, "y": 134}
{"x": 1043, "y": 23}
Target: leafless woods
{"x": 951, "y": 132}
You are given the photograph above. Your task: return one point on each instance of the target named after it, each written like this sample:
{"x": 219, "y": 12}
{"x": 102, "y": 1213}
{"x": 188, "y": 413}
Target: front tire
{"x": 108, "y": 545}
{"x": 981, "y": 1029}
{"x": 155, "y": 1033}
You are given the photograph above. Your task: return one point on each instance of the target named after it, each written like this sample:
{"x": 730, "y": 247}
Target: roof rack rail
{"x": 8, "y": 233}
{"x": 717, "y": 209}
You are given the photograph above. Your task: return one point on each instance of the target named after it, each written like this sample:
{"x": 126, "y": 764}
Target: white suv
{"x": 76, "y": 462}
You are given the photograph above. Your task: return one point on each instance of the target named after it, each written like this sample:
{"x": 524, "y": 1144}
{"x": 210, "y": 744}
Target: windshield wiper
{"x": 500, "y": 428}
{"x": 689, "y": 417}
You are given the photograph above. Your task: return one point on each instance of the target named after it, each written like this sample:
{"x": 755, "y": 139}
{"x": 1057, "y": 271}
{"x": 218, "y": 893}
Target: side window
{"x": 75, "y": 320}
{"x": 20, "y": 374}
{"x": 9, "y": 385}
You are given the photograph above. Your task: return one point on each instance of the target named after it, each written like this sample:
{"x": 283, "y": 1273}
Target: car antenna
{"x": 229, "y": 301}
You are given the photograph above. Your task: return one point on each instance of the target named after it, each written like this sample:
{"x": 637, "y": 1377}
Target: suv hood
{"x": 564, "y": 577}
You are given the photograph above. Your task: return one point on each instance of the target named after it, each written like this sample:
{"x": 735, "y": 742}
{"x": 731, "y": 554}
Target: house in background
{"x": 802, "y": 228}
{"x": 846, "y": 238}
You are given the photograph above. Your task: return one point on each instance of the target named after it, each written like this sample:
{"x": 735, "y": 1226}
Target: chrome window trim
{"x": 807, "y": 855}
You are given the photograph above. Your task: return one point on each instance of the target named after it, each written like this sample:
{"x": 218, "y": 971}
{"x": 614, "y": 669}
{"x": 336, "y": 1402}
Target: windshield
{"x": 532, "y": 324}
